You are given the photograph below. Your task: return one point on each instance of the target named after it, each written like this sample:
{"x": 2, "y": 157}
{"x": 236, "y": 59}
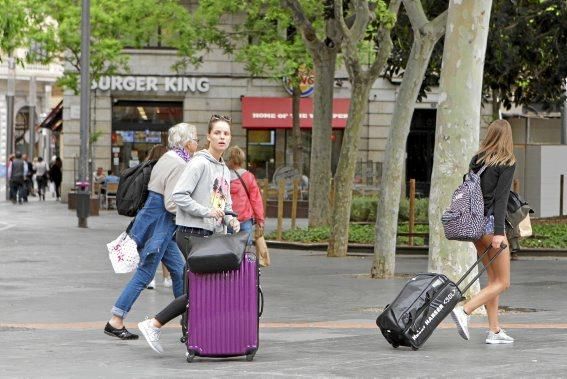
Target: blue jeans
{"x": 153, "y": 230}
{"x": 145, "y": 273}
{"x": 245, "y": 226}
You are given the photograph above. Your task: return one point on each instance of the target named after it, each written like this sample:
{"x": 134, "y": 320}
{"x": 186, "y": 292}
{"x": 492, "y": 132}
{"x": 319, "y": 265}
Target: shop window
{"x": 261, "y": 152}
{"x": 137, "y": 126}
{"x": 336, "y": 144}
{"x": 21, "y": 130}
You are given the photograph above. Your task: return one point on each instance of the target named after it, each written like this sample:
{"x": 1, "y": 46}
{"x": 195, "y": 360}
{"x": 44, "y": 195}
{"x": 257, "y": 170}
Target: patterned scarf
{"x": 183, "y": 154}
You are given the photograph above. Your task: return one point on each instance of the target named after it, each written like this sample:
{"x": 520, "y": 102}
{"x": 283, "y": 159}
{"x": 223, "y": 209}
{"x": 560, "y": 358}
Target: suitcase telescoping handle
{"x": 483, "y": 269}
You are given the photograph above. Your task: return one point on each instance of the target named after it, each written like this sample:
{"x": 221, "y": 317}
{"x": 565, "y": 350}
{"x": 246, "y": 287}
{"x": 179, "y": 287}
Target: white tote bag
{"x": 123, "y": 254}
{"x": 525, "y": 227}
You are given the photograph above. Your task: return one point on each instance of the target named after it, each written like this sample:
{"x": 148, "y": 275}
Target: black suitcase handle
{"x": 260, "y": 302}
{"x": 479, "y": 260}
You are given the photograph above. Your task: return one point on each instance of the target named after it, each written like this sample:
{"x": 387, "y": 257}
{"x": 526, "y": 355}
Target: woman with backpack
{"x": 153, "y": 228}
{"x": 496, "y": 153}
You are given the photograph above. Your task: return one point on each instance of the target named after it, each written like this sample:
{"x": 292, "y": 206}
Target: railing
{"x": 31, "y": 67}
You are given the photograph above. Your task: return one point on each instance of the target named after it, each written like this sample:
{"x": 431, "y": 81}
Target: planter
{"x": 94, "y": 203}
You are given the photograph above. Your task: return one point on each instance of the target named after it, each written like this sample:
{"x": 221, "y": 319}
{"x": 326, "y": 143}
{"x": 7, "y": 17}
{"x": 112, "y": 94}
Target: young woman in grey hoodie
{"x": 202, "y": 196}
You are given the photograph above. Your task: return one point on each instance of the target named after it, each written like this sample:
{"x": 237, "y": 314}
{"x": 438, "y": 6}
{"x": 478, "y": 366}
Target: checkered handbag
{"x": 123, "y": 254}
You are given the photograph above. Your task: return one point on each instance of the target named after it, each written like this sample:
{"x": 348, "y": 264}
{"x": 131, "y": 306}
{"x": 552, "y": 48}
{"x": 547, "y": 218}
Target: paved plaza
{"x": 57, "y": 287}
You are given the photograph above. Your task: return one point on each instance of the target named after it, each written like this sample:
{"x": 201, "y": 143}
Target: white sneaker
{"x": 461, "y": 319}
{"x": 498, "y": 338}
{"x": 152, "y": 335}
{"x": 167, "y": 282}
{"x": 152, "y": 284}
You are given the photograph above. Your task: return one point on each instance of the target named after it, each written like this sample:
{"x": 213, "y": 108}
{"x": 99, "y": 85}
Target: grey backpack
{"x": 464, "y": 220}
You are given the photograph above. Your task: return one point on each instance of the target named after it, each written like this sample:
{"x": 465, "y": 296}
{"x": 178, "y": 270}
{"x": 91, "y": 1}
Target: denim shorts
{"x": 489, "y": 226}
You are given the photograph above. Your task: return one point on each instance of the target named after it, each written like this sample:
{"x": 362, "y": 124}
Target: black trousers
{"x": 179, "y": 306}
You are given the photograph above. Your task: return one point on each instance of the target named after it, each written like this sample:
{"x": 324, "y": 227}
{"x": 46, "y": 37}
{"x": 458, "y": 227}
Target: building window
{"x": 261, "y": 152}
{"x": 420, "y": 148}
{"x": 336, "y": 144}
{"x": 137, "y": 126}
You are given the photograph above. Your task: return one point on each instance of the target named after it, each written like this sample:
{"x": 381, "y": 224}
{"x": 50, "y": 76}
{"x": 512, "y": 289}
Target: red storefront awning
{"x": 275, "y": 112}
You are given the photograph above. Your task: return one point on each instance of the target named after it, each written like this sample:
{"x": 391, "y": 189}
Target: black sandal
{"x": 123, "y": 333}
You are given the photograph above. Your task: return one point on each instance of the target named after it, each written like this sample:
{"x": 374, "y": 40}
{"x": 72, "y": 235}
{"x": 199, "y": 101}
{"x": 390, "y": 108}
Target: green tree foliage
{"x": 402, "y": 38}
{"x": 51, "y": 31}
{"x": 526, "y": 59}
{"x": 115, "y": 25}
{"x": 18, "y": 24}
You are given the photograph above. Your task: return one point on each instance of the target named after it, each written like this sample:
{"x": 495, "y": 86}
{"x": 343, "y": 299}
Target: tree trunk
{"x": 320, "y": 165}
{"x": 338, "y": 241}
{"x": 393, "y": 168}
{"x": 458, "y": 125}
{"x": 296, "y": 131}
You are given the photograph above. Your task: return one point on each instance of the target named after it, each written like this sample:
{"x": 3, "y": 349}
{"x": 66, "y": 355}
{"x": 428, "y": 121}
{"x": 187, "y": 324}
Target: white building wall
{"x": 45, "y": 75}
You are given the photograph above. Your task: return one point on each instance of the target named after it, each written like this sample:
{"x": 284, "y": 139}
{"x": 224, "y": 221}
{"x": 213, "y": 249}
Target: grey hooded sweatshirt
{"x": 204, "y": 185}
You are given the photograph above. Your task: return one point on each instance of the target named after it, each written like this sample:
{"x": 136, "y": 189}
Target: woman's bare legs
{"x": 498, "y": 282}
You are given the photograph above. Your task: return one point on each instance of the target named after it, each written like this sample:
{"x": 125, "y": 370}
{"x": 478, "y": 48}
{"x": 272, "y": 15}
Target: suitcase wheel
{"x": 395, "y": 345}
{"x": 415, "y": 348}
{"x": 190, "y": 355}
{"x": 250, "y": 355}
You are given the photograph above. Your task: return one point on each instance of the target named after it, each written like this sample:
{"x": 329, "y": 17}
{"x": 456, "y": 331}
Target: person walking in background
{"x": 41, "y": 177}
{"x": 153, "y": 229}
{"x": 56, "y": 176}
{"x": 18, "y": 172}
{"x": 202, "y": 195}
{"x": 28, "y": 182}
{"x": 244, "y": 191}
{"x": 497, "y": 154}
{"x": 11, "y": 194}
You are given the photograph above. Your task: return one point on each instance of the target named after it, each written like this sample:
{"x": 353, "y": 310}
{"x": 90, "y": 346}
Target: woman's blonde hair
{"x": 497, "y": 148}
{"x": 236, "y": 156}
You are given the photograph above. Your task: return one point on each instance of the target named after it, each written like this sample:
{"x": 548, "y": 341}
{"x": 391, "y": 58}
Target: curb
{"x": 361, "y": 248}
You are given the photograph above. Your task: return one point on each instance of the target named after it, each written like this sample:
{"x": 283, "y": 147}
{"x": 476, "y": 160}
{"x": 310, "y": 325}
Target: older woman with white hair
{"x": 154, "y": 227}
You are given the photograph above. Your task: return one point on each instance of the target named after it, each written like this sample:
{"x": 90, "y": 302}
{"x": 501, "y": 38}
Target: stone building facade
{"x": 130, "y": 113}
{"x": 33, "y": 89}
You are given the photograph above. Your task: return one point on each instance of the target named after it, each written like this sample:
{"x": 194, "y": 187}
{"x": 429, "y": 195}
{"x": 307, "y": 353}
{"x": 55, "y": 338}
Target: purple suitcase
{"x": 223, "y": 312}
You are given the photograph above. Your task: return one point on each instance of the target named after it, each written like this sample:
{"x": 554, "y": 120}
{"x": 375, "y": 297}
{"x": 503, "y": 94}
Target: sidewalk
{"x": 57, "y": 287}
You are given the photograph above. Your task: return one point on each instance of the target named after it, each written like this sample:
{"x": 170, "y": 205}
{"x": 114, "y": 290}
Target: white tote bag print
{"x": 123, "y": 254}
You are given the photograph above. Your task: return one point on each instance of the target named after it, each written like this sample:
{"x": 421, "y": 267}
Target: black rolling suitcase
{"x": 423, "y": 303}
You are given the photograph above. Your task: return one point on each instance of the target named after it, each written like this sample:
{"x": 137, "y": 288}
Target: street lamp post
{"x": 31, "y": 124}
{"x": 83, "y": 188}
{"x": 10, "y": 94}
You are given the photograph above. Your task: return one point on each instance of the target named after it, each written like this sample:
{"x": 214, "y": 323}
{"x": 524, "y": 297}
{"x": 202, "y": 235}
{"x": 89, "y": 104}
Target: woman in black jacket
{"x": 56, "y": 176}
{"x": 497, "y": 154}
